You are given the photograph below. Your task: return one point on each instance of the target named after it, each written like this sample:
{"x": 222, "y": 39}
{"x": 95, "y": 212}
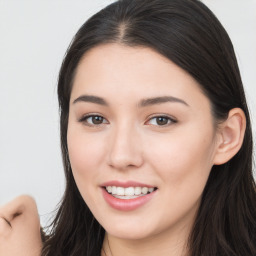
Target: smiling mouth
{"x": 130, "y": 192}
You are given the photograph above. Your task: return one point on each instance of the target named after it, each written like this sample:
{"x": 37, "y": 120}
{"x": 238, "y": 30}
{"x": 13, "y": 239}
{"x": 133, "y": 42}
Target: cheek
{"x": 86, "y": 155}
{"x": 183, "y": 164}
{"x": 181, "y": 159}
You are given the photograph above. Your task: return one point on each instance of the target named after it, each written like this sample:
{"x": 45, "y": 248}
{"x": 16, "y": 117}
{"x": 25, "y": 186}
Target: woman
{"x": 156, "y": 137}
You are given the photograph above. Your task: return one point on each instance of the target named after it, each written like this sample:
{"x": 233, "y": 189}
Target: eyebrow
{"x": 160, "y": 100}
{"x": 92, "y": 99}
{"x": 142, "y": 103}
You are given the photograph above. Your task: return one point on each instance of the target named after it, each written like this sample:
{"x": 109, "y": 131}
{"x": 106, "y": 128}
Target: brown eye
{"x": 97, "y": 119}
{"x": 161, "y": 121}
{"x": 93, "y": 120}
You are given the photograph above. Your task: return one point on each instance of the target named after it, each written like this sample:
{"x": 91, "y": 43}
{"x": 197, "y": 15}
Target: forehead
{"x": 140, "y": 62}
{"x": 113, "y": 70}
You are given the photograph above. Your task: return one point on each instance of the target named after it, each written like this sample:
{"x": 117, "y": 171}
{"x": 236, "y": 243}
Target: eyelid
{"x": 105, "y": 121}
{"x": 172, "y": 119}
{"x": 86, "y": 116}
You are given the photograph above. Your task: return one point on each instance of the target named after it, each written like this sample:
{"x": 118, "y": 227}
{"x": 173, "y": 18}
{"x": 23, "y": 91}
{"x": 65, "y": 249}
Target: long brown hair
{"x": 188, "y": 33}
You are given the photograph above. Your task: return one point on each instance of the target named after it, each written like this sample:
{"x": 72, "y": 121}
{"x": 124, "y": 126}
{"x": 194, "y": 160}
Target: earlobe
{"x": 231, "y": 135}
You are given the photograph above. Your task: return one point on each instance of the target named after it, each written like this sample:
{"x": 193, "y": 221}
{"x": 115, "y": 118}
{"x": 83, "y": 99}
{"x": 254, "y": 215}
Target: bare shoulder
{"x": 20, "y": 227}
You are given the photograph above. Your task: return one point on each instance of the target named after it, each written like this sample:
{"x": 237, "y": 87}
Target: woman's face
{"x": 139, "y": 123}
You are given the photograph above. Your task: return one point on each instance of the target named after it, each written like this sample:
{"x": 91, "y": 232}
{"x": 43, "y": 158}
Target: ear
{"x": 230, "y": 136}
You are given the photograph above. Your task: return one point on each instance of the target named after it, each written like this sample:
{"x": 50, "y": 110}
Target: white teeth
{"x": 151, "y": 190}
{"x": 144, "y": 190}
{"x": 109, "y": 189}
{"x": 126, "y": 197}
{"x": 129, "y": 192}
{"x": 120, "y": 191}
{"x": 137, "y": 191}
{"x": 113, "y": 190}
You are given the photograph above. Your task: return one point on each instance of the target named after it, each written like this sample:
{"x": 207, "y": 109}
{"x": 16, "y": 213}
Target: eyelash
{"x": 170, "y": 120}
{"x": 85, "y": 118}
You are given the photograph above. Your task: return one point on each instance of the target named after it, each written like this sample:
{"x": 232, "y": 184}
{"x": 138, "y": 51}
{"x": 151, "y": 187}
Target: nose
{"x": 125, "y": 148}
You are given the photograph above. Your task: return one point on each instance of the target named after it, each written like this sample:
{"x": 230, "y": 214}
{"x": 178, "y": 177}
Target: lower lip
{"x": 126, "y": 204}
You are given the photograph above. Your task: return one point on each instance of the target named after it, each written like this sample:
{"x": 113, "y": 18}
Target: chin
{"x": 128, "y": 235}
{"x": 128, "y": 231}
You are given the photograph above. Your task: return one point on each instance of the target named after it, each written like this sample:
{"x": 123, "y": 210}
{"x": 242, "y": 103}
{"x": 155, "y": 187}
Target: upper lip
{"x": 125, "y": 184}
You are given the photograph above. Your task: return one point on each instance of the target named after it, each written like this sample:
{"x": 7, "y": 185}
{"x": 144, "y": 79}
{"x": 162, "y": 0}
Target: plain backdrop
{"x": 34, "y": 35}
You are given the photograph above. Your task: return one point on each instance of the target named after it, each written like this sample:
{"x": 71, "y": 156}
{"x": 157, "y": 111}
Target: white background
{"x": 34, "y": 35}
